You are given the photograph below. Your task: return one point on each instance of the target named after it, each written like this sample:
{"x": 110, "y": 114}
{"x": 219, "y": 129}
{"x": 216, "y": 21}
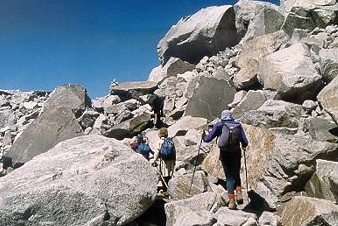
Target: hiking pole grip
{"x": 198, "y": 154}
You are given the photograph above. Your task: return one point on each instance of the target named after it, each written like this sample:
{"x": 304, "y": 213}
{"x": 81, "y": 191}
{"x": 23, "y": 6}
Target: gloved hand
{"x": 244, "y": 148}
{"x": 154, "y": 164}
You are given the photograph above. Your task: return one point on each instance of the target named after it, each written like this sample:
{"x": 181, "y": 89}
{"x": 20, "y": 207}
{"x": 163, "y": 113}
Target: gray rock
{"x": 129, "y": 127}
{"x": 321, "y": 129}
{"x": 254, "y": 50}
{"x": 310, "y": 211}
{"x": 269, "y": 219}
{"x": 324, "y": 182}
{"x": 88, "y": 118}
{"x": 129, "y": 90}
{"x": 299, "y": 18}
{"x": 278, "y": 158}
{"x": 7, "y": 118}
{"x": 274, "y": 113}
{"x": 98, "y": 104}
{"x": 195, "y": 208}
{"x": 73, "y": 97}
{"x": 206, "y": 104}
{"x": 329, "y": 63}
{"x": 245, "y": 11}
{"x": 328, "y": 99}
{"x": 212, "y": 165}
{"x": 51, "y": 127}
{"x": 225, "y": 216}
{"x": 237, "y": 98}
{"x": 7, "y": 139}
{"x": 186, "y": 123}
{"x": 173, "y": 67}
{"x": 267, "y": 19}
{"x": 252, "y": 101}
{"x": 180, "y": 186}
{"x": 291, "y": 73}
{"x": 88, "y": 180}
{"x": 287, "y": 5}
{"x": 192, "y": 37}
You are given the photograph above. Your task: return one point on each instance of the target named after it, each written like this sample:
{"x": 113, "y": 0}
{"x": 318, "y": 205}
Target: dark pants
{"x": 231, "y": 162}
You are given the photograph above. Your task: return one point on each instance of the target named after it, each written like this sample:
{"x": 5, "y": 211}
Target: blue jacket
{"x": 217, "y": 130}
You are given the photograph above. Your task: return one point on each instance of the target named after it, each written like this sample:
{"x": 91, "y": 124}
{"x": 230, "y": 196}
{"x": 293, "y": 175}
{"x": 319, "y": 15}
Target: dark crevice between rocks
{"x": 155, "y": 215}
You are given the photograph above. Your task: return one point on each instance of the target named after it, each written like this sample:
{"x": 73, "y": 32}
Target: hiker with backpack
{"x": 230, "y": 136}
{"x": 156, "y": 103}
{"x": 166, "y": 155}
{"x": 140, "y": 145}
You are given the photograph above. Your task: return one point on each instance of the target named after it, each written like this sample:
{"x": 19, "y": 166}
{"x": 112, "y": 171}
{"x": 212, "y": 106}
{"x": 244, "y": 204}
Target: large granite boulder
{"x": 267, "y": 19}
{"x": 291, "y": 73}
{"x": 245, "y": 12}
{"x": 88, "y": 180}
{"x": 328, "y": 59}
{"x": 128, "y": 128}
{"x": 51, "y": 127}
{"x": 205, "y": 33}
{"x": 184, "y": 186}
{"x": 287, "y": 5}
{"x": 253, "y": 51}
{"x": 324, "y": 182}
{"x": 283, "y": 162}
{"x": 173, "y": 67}
{"x": 192, "y": 211}
{"x": 208, "y": 97}
{"x": 73, "y": 97}
{"x": 321, "y": 129}
{"x": 274, "y": 113}
{"x": 310, "y": 211}
{"x": 251, "y": 101}
{"x": 134, "y": 90}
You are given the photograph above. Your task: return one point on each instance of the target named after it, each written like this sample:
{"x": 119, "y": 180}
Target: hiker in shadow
{"x": 156, "y": 103}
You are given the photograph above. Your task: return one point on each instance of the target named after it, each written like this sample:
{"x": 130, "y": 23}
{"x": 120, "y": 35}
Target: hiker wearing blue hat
{"x": 231, "y": 137}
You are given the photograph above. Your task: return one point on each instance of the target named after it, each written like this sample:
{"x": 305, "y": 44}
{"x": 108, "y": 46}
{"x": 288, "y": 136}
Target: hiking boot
{"x": 232, "y": 203}
{"x": 239, "y": 197}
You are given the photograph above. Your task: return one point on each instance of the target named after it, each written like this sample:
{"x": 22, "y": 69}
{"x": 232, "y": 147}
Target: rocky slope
{"x": 65, "y": 158}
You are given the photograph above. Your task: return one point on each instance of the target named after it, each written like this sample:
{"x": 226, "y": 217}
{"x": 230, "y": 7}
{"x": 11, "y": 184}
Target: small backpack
{"x": 143, "y": 148}
{"x": 152, "y": 100}
{"x": 168, "y": 151}
{"x": 230, "y": 136}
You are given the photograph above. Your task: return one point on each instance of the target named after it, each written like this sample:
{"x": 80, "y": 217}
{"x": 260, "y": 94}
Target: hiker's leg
{"x": 157, "y": 120}
{"x": 237, "y": 177}
{"x": 230, "y": 180}
{"x": 237, "y": 169}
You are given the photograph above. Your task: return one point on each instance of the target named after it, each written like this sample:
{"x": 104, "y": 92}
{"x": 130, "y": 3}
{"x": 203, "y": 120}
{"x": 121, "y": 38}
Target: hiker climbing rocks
{"x": 230, "y": 136}
{"x": 140, "y": 145}
{"x": 166, "y": 155}
{"x": 156, "y": 103}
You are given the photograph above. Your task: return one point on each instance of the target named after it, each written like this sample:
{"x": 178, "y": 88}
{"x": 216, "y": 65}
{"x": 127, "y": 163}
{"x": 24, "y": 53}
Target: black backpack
{"x": 156, "y": 102}
{"x": 230, "y": 136}
{"x": 168, "y": 151}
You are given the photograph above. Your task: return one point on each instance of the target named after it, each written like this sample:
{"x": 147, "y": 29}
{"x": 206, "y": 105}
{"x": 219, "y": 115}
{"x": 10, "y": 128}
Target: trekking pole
{"x": 193, "y": 174}
{"x": 246, "y": 170}
{"x": 162, "y": 178}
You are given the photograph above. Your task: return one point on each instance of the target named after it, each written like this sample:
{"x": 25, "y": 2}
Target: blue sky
{"x": 47, "y": 43}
